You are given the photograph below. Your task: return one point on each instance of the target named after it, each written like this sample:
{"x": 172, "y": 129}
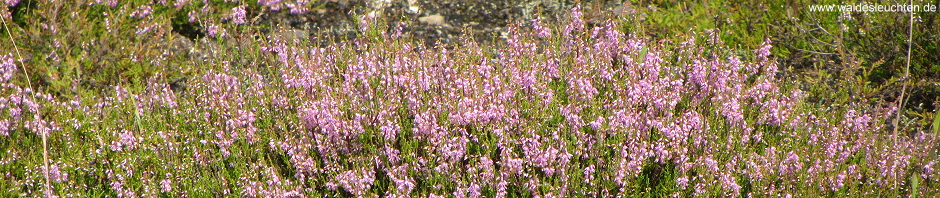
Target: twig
{"x": 814, "y": 52}
{"x": 910, "y": 42}
{"x": 907, "y": 68}
{"x": 45, "y": 150}
{"x": 817, "y": 39}
{"x": 824, "y": 30}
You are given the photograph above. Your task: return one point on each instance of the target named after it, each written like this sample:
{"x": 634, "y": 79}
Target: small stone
{"x": 433, "y": 20}
{"x": 181, "y": 43}
{"x": 294, "y": 34}
{"x": 413, "y": 7}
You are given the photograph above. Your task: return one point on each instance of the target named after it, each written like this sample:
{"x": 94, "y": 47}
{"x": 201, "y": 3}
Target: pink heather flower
{"x": 540, "y": 30}
{"x": 698, "y": 74}
{"x": 582, "y": 88}
{"x": 356, "y": 182}
{"x": 4, "y": 12}
{"x": 700, "y": 188}
{"x": 576, "y": 22}
{"x": 425, "y": 126}
{"x": 268, "y": 2}
{"x": 533, "y": 153}
{"x": 7, "y": 67}
{"x": 5, "y": 127}
{"x": 839, "y": 181}
{"x": 731, "y": 110}
{"x": 238, "y": 15}
{"x": 474, "y": 190}
{"x": 392, "y": 154}
{"x": 526, "y": 78}
{"x": 514, "y": 165}
{"x": 710, "y": 164}
{"x": 791, "y": 165}
{"x": 118, "y": 186}
{"x": 166, "y": 186}
{"x": 126, "y": 140}
{"x": 16, "y": 113}
{"x": 454, "y": 149}
{"x": 299, "y": 8}
{"x": 159, "y": 94}
{"x": 764, "y": 51}
{"x": 181, "y": 3}
{"x": 486, "y": 168}
{"x": 296, "y": 8}
{"x": 729, "y": 184}
{"x": 682, "y": 181}
{"x": 632, "y": 164}
{"x": 597, "y": 123}
{"x": 390, "y": 130}
{"x": 142, "y": 11}
{"x": 252, "y": 187}
{"x": 662, "y": 153}
{"x": 213, "y": 30}
{"x": 570, "y": 112}
{"x": 589, "y": 174}
{"x": 928, "y": 169}
{"x": 55, "y": 175}
{"x": 193, "y": 16}
{"x": 551, "y": 67}
{"x": 291, "y": 194}
{"x": 856, "y": 123}
{"x": 404, "y": 184}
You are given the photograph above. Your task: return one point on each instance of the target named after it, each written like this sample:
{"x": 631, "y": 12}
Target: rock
{"x": 179, "y": 85}
{"x": 436, "y": 19}
{"x": 181, "y": 44}
{"x": 205, "y": 49}
{"x": 434, "y": 22}
{"x": 294, "y": 34}
{"x": 413, "y": 7}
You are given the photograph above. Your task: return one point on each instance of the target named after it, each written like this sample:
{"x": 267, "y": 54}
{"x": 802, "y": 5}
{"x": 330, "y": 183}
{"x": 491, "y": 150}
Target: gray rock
{"x": 436, "y": 19}
{"x": 181, "y": 45}
{"x": 293, "y": 34}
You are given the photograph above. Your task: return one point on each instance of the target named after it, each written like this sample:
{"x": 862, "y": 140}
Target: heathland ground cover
{"x": 596, "y": 99}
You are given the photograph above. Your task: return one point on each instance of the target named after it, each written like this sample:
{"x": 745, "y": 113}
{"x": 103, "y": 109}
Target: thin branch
{"x": 814, "y": 52}
{"x": 907, "y": 68}
{"x": 910, "y": 42}
{"x": 824, "y": 30}
{"x": 45, "y": 146}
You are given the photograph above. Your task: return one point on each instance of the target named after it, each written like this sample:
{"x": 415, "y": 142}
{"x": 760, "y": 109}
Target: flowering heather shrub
{"x": 574, "y": 110}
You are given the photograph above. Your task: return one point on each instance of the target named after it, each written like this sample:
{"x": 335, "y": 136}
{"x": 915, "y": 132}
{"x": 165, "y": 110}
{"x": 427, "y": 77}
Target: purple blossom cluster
{"x": 521, "y": 115}
{"x": 238, "y": 15}
{"x": 5, "y": 13}
{"x": 295, "y": 7}
{"x": 142, "y": 11}
{"x": 21, "y": 106}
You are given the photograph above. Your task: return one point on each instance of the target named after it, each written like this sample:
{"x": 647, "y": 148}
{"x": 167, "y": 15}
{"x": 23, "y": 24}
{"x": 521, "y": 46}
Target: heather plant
{"x": 576, "y": 108}
{"x": 827, "y": 52}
